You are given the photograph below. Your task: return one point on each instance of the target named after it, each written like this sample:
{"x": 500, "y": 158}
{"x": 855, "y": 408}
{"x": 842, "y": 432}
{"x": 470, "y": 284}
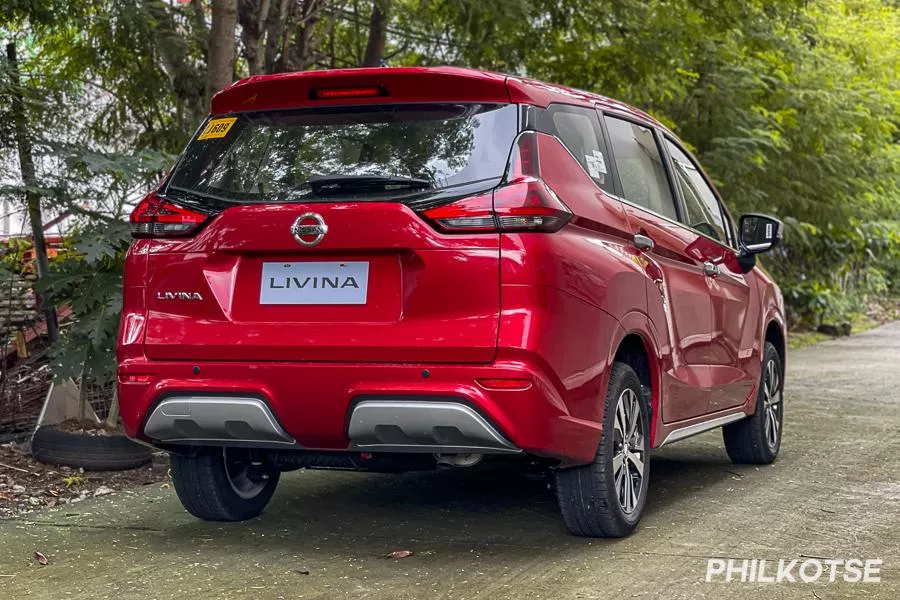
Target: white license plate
{"x": 314, "y": 283}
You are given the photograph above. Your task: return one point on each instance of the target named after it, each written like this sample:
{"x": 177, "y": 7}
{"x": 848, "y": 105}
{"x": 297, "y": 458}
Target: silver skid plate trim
{"x": 205, "y": 419}
{"x": 422, "y": 426}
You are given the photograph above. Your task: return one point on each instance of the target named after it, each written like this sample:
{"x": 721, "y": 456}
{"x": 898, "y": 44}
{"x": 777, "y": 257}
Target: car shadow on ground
{"x": 446, "y": 511}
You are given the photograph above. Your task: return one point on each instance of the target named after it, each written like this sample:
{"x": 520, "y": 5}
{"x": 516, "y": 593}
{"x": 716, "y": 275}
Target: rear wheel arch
{"x": 637, "y": 350}
{"x": 775, "y": 335}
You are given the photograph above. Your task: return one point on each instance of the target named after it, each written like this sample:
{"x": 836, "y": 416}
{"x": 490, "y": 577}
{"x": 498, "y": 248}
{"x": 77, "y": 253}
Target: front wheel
{"x": 606, "y": 498}
{"x": 756, "y": 440}
{"x": 224, "y": 484}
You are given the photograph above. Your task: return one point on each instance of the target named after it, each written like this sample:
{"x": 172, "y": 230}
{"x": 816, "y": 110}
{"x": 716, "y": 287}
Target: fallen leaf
{"x": 43, "y": 560}
{"x": 6, "y": 496}
{"x": 301, "y": 572}
{"x": 399, "y": 554}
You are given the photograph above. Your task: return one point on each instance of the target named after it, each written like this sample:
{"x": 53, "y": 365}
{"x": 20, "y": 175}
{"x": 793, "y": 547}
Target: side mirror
{"x": 760, "y": 233}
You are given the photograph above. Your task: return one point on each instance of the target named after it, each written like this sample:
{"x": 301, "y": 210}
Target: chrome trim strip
{"x": 221, "y": 419}
{"x": 423, "y": 426}
{"x": 690, "y": 430}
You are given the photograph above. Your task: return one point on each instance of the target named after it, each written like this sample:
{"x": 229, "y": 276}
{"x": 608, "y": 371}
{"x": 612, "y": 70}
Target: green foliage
{"x": 793, "y": 106}
{"x": 830, "y": 273}
{"x": 90, "y": 281}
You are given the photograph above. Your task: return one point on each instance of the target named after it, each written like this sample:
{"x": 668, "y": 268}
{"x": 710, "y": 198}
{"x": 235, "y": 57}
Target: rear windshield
{"x": 280, "y": 156}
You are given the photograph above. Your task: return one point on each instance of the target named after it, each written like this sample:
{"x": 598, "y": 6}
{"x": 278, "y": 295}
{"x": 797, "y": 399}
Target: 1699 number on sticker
{"x": 217, "y": 128}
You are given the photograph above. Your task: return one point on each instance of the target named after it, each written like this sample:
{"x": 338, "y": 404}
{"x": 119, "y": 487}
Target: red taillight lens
{"x": 473, "y": 214}
{"x": 528, "y": 204}
{"x": 523, "y": 203}
{"x": 155, "y": 216}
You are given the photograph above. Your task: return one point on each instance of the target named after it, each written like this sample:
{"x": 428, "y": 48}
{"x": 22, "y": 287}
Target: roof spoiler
{"x": 360, "y": 86}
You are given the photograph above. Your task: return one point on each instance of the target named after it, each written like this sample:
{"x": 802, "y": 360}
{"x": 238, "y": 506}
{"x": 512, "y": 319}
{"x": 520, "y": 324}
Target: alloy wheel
{"x": 247, "y": 477}
{"x": 629, "y": 454}
{"x": 772, "y": 404}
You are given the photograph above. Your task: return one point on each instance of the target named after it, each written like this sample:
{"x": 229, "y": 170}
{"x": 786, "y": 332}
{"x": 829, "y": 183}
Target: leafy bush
{"x": 90, "y": 281}
{"x": 829, "y": 273}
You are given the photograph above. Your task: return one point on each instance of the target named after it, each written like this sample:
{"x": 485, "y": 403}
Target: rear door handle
{"x": 642, "y": 242}
{"x": 710, "y": 269}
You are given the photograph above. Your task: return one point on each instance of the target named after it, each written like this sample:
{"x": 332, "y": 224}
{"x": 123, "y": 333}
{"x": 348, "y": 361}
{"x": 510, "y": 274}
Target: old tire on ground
{"x": 89, "y": 452}
{"x": 223, "y": 484}
{"x": 756, "y": 440}
{"x": 606, "y": 498}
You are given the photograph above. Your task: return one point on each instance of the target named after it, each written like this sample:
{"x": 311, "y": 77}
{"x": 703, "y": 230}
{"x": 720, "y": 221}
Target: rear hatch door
{"x": 313, "y": 248}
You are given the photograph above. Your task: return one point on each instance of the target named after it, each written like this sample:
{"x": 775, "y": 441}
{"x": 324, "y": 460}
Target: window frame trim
{"x": 733, "y": 243}
{"x": 663, "y": 154}
{"x": 680, "y": 208}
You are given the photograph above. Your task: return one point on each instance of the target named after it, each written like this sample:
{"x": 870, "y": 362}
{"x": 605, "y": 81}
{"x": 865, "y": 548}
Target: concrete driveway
{"x": 833, "y": 493}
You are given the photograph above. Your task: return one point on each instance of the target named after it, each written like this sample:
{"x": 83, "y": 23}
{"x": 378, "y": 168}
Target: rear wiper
{"x": 326, "y": 185}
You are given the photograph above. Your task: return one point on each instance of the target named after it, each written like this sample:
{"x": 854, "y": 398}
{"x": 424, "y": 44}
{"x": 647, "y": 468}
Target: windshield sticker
{"x": 596, "y": 166}
{"x": 217, "y": 128}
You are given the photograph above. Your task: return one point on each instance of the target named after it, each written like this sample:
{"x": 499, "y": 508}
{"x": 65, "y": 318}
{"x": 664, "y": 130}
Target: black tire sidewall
{"x": 202, "y": 484}
{"x": 89, "y": 452}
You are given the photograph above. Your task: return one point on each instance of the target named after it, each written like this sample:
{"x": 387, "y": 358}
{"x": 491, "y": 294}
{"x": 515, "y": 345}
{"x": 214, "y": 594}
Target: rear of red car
{"x": 322, "y": 271}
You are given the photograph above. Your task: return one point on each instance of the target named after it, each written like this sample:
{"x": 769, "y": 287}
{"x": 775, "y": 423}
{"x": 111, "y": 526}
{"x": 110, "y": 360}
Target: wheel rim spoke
{"x": 635, "y": 459}
{"x": 618, "y": 461}
{"x": 633, "y": 414}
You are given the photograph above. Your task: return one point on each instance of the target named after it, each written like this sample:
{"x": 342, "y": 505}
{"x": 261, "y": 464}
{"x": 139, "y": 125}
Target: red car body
{"x": 522, "y": 326}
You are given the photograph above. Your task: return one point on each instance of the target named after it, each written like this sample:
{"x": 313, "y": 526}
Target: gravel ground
{"x": 833, "y": 493}
{"x": 27, "y": 485}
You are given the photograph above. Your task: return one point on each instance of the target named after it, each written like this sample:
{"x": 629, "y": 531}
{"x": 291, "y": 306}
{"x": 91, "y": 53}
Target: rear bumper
{"x": 368, "y": 407}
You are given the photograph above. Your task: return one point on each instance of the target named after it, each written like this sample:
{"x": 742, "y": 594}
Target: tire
{"x": 89, "y": 452}
{"x": 750, "y": 441}
{"x": 212, "y": 491}
{"x": 590, "y": 501}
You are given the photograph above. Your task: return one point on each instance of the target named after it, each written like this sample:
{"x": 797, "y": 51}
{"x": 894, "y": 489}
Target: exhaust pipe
{"x": 458, "y": 460}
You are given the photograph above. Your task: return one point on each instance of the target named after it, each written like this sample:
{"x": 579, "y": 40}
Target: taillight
{"x": 523, "y": 203}
{"x": 472, "y": 214}
{"x": 155, "y": 216}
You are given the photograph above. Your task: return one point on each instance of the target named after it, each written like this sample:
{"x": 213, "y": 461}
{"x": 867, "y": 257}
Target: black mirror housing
{"x": 759, "y": 233}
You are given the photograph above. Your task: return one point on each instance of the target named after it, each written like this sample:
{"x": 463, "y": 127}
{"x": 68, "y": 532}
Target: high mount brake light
{"x": 343, "y": 93}
{"x": 523, "y": 203}
{"x": 156, "y": 217}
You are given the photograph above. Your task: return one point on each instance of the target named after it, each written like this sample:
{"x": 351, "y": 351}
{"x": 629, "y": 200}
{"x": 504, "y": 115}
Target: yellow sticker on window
{"x": 217, "y": 128}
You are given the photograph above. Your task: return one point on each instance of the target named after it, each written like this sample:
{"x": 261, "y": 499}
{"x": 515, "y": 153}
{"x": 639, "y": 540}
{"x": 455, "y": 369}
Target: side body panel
{"x": 564, "y": 294}
{"x": 679, "y": 305}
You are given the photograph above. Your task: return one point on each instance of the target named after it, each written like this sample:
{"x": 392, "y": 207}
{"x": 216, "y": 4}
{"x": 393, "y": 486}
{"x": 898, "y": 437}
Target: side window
{"x": 640, "y": 166}
{"x": 703, "y": 210}
{"x": 579, "y": 130}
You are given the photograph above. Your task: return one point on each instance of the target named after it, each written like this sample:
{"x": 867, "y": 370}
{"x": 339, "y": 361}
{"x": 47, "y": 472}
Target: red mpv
{"x": 402, "y": 268}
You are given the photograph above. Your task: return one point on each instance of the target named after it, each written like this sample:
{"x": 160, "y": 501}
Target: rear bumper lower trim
{"x": 207, "y": 419}
{"x": 423, "y": 426}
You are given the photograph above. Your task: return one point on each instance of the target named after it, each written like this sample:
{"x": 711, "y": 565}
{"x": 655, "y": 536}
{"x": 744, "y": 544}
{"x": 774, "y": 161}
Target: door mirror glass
{"x": 760, "y": 233}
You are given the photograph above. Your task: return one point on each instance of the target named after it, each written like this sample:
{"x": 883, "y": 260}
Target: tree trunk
{"x": 253, "y": 16}
{"x": 220, "y": 65}
{"x": 377, "y": 34}
{"x": 275, "y": 23}
{"x": 32, "y": 198}
{"x": 299, "y": 48}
